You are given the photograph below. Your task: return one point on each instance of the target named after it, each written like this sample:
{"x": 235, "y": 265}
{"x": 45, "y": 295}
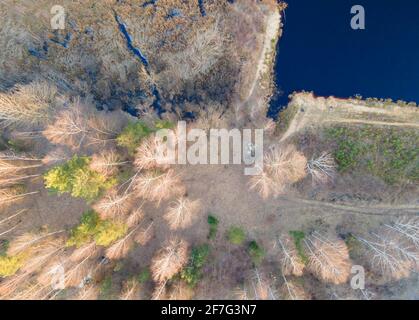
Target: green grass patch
{"x": 192, "y": 273}
{"x": 236, "y": 235}
{"x": 105, "y": 292}
{"x": 213, "y": 226}
{"x": 164, "y": 124}
{"x": 391, "y": 154}
{"x": 144, "y": 276}
{"x": 354, "y": 246}
{"x": 3, "y": 144}
{"x": 298, "y": 237}
{"x": 4, "y": 246}
{"x": 17, "y": 146}
{"x": 132, "y": 134}
{"x": 285, "y": 117}
{"x": 256, "y": 253}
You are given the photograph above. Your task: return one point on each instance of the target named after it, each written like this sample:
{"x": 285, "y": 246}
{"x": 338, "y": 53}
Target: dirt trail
{"x": 272, "y": 30}
{"x": 379, "y": 123}
{"x": 379, "y": 210}
{"x": 316, "y": 111}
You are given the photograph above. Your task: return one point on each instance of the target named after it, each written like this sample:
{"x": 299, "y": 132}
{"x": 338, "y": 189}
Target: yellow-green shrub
{"x": 9, "y": 265}
{"x": 109, "y": 231}
{"x": 76, "y": 178}
{"x": 92, "y": 228}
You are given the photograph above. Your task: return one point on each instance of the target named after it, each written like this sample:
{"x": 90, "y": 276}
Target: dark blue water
{"x": 65, "y": 42}
{"x": 202, "y": 8}
{"x": 136, "y": 51}
{"x": 320, "y": 52}
{"x": 149, "y": 3}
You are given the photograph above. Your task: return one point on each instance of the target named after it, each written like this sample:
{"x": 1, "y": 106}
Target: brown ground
{"x": 223, "y": 192}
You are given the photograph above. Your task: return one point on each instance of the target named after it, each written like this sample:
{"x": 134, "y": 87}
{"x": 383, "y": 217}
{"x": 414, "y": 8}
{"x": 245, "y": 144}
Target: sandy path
{"x": 272, "y": 32}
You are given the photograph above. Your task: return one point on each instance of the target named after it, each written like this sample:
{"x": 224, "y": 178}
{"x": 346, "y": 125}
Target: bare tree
{"x": 70, "y": 127}
{"x": 8, "y": 167}
{"x": 181, "y": 213}
{"x": 394, "y": 248}
{"x": 291, "y": 262}
{"x": 8, "y": 220}
{"x": 328, "y": 260}
{"x": 12, "y": 216}
{"x": 260, "y": 120}
{"x": 160, "y": 291}
{"x": 11, "y": 195}
{"x": 259, "y": 287}
{"x": 169, "y": 260}
{"x": 38, "y": 252}
{"x": 151, "y": 154}
{"x": 88, "y": 292}
{"x": 12, "y": 172}
{"x": 10, "y": 155}
{"x": 264, "y": 184}
{"x": 28, "y": 241}
{"x": 292, "y": 291}
{"x": 114, "y": 205}
{"x": 322, "y": 169}
{"x": 367, "y": 294}
{"x": 57, "y": 155}
{"x": 50, "y": 273}
{"x": 135, "y": 217}
{"x": 78, "y": 274}
{"x": 262, "y": 288}
{"x": 121, "y": 248}
{"x": 27, "y": 104}
{"x": 157, "y": 186}
{"x": 144, "y": 235}
{"x": 283, "y": 166}
{"x": 406, "y": 227}
{"x": 180, "y": 291}
{"x": 130, "y": 290}
{"x": 388, "y": 265}
{"x": 33, "y": 291}
{"x": 286, "y": 164}
{"x": 104, "y": 127}
{"x": 241, "y": 294}
{"x": 81, "y": 124}
{"x": 203, "y": 52}
{"x": 77, "y": 267}
{"x": 106, "y": 162}
{"x": 213, "y": 117}
{"x": 11, "y": 285}
{"x": 41, "y": 253}
{"x": 86, "y": 251}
